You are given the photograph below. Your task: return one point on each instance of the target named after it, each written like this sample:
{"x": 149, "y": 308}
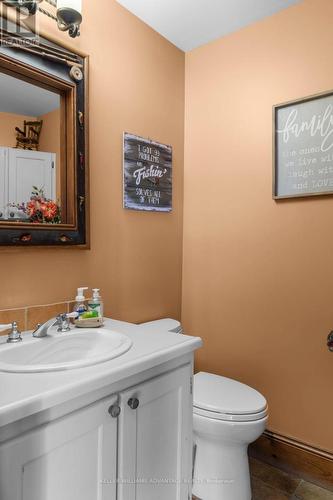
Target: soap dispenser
{"x": 95, "y": 304}
{"x": 80, "y": 306}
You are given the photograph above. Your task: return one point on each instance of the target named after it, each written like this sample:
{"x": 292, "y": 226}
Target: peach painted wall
{"x": 50, "y": 136}
{"x": 258, "y": 274}
{"x": 137, "y": 85}
{"x": 8, "y": 122}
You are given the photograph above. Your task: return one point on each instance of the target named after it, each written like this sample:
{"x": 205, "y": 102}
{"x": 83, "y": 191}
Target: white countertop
{"x": 25, "y": 394}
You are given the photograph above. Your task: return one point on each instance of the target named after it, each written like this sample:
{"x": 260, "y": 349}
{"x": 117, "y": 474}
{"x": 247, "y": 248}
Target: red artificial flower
{"x": 42, "y": 206}
{"x": 31, "y": 208}
{"x": 50, "y": 210}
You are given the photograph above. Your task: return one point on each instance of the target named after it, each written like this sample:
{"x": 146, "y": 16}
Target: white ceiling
{"x": 191, "y": 23}
{"x": 22, "y": 98}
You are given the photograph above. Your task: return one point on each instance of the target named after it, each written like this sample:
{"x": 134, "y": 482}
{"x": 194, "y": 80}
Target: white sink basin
{"x": 63, "y": 351}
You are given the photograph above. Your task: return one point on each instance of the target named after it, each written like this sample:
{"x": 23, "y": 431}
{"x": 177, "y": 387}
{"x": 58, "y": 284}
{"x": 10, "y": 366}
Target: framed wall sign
{"x": 303, "y": 147}
{"x": 147, "y": 174}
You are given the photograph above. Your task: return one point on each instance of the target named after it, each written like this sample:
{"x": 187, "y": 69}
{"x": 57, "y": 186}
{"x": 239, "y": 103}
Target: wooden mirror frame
{"x": 55, "y": 68}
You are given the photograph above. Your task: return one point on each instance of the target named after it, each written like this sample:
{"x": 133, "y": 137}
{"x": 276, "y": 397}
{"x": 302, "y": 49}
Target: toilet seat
{"x": 228, "y": 417}
{"x": 221, "y": 398}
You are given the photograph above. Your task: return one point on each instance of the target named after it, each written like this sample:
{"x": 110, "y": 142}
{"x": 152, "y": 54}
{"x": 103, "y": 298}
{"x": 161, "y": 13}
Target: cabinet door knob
{"x": 133, "y": 403}
{"x": 114, "y": 411}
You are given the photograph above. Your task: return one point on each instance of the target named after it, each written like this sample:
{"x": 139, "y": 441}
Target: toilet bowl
{"x": 227, "y": 417}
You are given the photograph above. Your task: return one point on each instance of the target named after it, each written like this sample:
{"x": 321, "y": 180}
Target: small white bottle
{"x": 80, "y": 306}
{"x": 95, "y": 304}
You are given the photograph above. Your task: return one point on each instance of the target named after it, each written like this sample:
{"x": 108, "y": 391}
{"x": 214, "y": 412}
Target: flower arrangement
{"x": 39, "y": 209}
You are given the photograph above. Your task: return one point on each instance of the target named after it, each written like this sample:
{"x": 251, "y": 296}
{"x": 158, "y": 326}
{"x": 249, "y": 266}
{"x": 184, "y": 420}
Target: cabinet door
{"x": 73, "y": 458}
{"x": 27, "y": 169}
{"x": 155, "y": 439}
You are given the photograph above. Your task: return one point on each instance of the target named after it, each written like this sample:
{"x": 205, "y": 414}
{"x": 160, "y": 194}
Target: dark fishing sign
{"x": 147, "y": 174}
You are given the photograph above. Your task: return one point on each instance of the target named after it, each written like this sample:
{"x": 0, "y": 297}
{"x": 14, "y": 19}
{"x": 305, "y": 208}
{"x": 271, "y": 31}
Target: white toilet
{"x": 227, "y": 417}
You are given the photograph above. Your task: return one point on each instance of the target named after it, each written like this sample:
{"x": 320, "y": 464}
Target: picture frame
{"x": 303, "y": 147}
{"x": 147, "y": 174}
{"x": 67, "y": 77}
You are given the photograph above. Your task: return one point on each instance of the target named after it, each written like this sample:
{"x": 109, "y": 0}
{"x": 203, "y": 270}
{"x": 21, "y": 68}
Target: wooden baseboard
{"x": 307, "y": 462}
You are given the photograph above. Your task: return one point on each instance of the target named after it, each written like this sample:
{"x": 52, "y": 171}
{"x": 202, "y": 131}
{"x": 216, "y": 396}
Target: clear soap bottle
{"x": 80, "y": 306}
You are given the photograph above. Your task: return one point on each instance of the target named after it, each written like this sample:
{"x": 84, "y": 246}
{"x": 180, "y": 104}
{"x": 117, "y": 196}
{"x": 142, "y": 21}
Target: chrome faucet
{"x": 62, "y": 320}
{"x": 14, "y": 335}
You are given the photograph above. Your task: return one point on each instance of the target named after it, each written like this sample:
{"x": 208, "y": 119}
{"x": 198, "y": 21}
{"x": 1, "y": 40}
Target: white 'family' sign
{"x": 303, "y": 141}
{"x": 147, "y": 174}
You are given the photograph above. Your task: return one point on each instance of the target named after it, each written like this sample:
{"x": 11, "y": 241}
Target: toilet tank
{"x": 163, "y": 325}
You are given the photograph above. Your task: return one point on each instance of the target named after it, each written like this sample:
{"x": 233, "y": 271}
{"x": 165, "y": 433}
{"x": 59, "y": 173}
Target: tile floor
{"x": 270, "y": 483}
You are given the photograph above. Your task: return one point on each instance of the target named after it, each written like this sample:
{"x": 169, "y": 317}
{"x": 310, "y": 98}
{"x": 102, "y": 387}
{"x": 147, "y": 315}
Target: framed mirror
{"x": 43, "y": 143}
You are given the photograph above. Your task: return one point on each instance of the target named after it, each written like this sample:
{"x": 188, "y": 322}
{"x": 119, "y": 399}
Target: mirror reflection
{"x": 30, "y": 153}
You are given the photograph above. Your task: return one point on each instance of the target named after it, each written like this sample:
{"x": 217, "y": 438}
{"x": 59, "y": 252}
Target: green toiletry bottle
{"x": 95, "y": 304}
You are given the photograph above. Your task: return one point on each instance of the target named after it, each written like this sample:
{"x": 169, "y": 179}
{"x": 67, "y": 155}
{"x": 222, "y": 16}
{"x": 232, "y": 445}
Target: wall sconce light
{"x": 69, "y": 16}
{"x": 68, "y": 12}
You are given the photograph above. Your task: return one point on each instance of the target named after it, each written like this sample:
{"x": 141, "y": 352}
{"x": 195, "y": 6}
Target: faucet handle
{"x": 63, "y": 321}
{"x": 15, "y": 334}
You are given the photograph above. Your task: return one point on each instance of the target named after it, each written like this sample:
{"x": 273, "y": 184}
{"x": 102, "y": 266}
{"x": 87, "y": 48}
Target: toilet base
{"x": 221, "y": 467}
{"x": 221, "y": 475}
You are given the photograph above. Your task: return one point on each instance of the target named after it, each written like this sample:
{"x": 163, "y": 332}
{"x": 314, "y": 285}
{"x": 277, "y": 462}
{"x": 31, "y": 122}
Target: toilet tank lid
{"x": 162, "y": 325}
{"x": 224, "y": 395}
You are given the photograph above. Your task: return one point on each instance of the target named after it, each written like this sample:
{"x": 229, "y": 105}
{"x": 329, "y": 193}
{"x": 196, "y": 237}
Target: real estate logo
{"x": 17, "y": 24}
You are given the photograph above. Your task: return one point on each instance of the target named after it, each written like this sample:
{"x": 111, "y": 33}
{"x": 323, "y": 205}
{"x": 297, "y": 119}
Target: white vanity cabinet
{"x": 133, "y": 445}
{"x": 64, "y": 460}
{"x": 155, "y": 438}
